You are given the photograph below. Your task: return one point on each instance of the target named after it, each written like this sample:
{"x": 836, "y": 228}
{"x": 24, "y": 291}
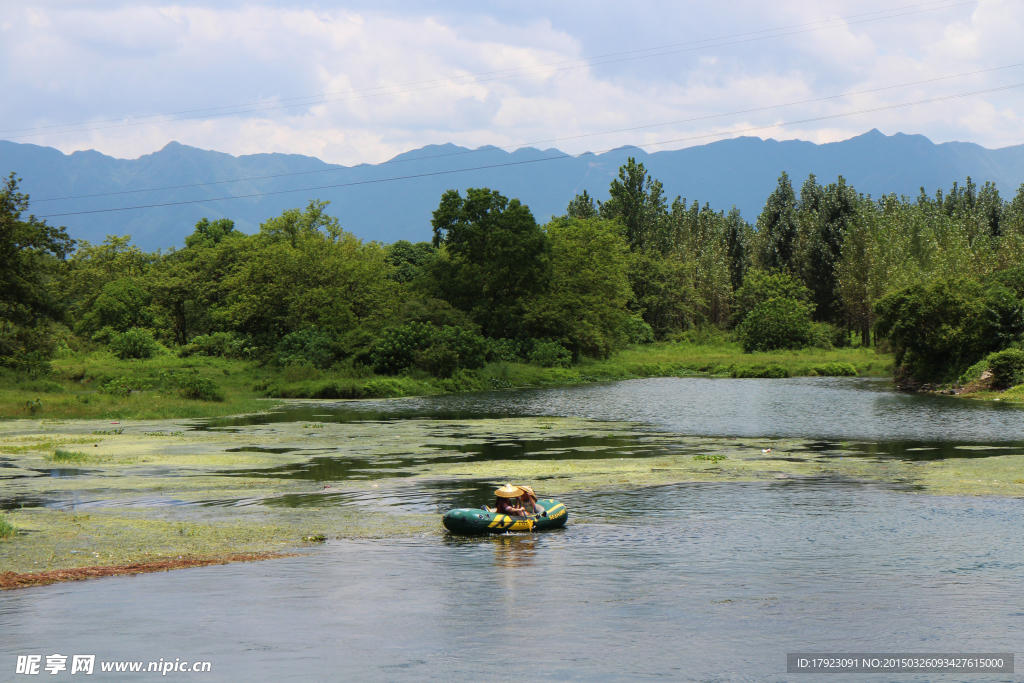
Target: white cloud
{"x": 65, "y": 63}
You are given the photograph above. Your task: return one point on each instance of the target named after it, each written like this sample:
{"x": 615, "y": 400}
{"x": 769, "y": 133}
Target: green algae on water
{"x": 162, "y": 489}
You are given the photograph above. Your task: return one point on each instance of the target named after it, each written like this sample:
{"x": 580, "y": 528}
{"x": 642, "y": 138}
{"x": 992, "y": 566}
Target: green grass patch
{"x": 7, "y": 530}
{"x": 69, "y": 457}
{"x": 711, "y": 458}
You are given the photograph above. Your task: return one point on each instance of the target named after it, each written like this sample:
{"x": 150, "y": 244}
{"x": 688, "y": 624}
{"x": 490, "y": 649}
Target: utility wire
{"x": 536, "y": 142}
{"x": 552, "y": 158}
{"x": 470, "y": 79}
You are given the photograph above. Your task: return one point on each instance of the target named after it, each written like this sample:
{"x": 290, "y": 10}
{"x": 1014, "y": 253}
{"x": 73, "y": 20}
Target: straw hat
{"x": 528, "y": 489}
{"x": 509, "y": 491}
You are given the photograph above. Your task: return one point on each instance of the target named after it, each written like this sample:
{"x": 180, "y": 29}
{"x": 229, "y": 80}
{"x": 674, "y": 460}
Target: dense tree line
{"x": 935, "y": 276}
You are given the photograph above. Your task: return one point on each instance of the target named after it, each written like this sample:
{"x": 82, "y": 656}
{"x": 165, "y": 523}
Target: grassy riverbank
{"x": 79, "y": 494}
{"x": 100, "y": 386}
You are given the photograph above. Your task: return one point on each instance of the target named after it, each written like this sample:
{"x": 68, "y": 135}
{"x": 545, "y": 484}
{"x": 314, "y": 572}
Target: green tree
{"x": 761, "y": 286}
{"x": 983, "y": 206}
{"x": 582, "y": 206}
{"x": 834, "y": 210}
{"x": 295, "y": 223}
{"x": 586, "y": 304}
{"x": 940, "y": 329}
{"x": 121, "y": 305}
{"x": 29, "y": 250}
{"x": 208, "y": 234}
{"x": 738, "y": 237}
{"x": 92, "y": 267}
{"x": 493, "y": 261}
{"x": 638, "y": 202}
{"x": 408, "y": 259}
{"x": 777, "y": 227}
{"x": 284, "y": 280}
{"x": 663, "y": 292}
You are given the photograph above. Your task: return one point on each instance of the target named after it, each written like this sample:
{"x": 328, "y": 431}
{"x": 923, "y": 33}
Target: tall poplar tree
{"x": 778, "y": 227}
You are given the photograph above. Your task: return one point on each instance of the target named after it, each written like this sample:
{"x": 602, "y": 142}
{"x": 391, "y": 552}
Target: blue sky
{"x": 105, "y": 62}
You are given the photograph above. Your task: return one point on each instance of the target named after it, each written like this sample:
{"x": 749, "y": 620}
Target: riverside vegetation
{"x": 633, "y": 286}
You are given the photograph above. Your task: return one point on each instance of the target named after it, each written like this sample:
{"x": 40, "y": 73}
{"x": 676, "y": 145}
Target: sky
{"x": 360, "y": 82}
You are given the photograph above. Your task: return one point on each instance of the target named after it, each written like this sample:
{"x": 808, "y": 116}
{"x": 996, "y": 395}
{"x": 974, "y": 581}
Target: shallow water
{"x": 709, "y": 582}
{"x": 703, "y": 582}
{"x": 344, "y": 468}
{"x": 857, "y": 409}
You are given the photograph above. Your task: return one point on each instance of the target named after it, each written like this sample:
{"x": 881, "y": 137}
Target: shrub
{"x": 835, "y": 370}
{"x": 826, "y": 336}
{"x": 438, "y": 350}
{"x": 503, "y": 351}
{"x": 516, "y": 350}
{"x": 137, "y": 342}
{"x": 216, "y": 344}
{"x": 759, "y": 372}
{"x": 973, "y": 373}
{"x": 550, "y": 354}
{"x": 190, "y": 385}
{"x": 759, "y": 287}
{"x": 940, "y": 329}
{"x": 395, "y": 350}
{"x": 778, "y": 323}
{"x": 311, "y": 346}
{"x": 440, "y": 360}
{"x": 1007, "y": 367}
{"x": 453, "y": 348}
{"x": 7, "y": 530}
{"x": 463, "y": 381}
{"x": 32, "y": 365}
{"x": 382, "y": 388}
{"x": 122, "y": 386}
{"x": 638, "y": 331}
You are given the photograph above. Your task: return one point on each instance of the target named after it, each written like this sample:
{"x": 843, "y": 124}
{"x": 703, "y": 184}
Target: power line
{"x": 537, "y": 142}
{"x": 532, "y": 161}
{"x": 476, "y": 78}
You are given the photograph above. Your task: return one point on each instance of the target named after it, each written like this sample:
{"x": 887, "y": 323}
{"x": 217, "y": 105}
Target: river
{"x": 693, "y": 582}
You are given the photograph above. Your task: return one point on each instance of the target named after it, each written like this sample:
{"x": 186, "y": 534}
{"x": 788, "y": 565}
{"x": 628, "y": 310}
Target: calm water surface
{"x": 811, "y": 408}
{"x": 701, "y": 582}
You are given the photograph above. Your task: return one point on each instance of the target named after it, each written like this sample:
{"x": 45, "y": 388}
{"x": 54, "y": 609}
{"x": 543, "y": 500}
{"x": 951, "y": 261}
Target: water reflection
{"x": 837, "y": 408}
{"x": 514, "y": 551}
{"x": 345, "y": 468}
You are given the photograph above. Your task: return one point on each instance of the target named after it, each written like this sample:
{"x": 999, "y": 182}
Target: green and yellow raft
{"x": 480, "y": 521}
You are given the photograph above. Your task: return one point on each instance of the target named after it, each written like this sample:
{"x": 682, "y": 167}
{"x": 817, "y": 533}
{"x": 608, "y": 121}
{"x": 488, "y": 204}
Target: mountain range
{"x": 393, "y": 200}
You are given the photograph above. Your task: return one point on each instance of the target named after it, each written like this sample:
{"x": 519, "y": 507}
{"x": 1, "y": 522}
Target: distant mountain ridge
{"x": 740, "y": 171}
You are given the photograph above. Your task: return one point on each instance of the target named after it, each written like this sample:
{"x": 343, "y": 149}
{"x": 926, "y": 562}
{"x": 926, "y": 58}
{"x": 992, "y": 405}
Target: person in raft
{"x": 506, "y": 503}
{"x": 529, "y": 501}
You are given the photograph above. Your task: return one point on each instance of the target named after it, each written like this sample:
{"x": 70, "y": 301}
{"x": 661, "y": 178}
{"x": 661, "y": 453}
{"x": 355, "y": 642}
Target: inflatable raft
{"x": 480, "y": 521}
